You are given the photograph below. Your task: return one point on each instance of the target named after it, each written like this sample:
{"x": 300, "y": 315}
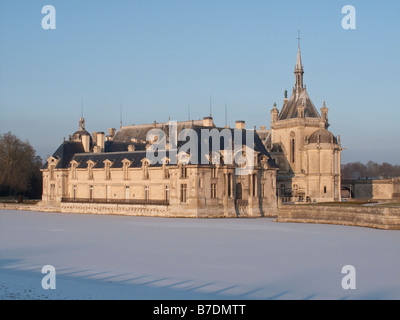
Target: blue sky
{"x": 155, "y": 57}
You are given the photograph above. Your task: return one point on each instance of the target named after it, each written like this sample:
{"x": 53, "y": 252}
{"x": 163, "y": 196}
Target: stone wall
{"x": 363, "y": 216}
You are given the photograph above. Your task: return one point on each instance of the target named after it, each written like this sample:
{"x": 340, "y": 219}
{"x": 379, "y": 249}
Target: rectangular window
{"x": 52, "y": 172}
{"x": 263, "y": 190}
{"x": 213, "y": 172}
{"x": 183, "y": 192}
{"x": 108, "y": 172}
{"x": 52, "y": 191}
{"x": 166, "y": 193}
{"x": 213, "y": 190}
{"x": 74, "y": 192}
{"x": 90, "y": 193}
{"x": 325, "y": 189}
{"x": 183, "y": 171}
{"x": 229, "y": 185}
{"x": 292, "y": 150}
{"x": 146, "y": 193}
{"x": 126, "y": 172}
{"x": 126, "y": 192}
{"x": 254, "y": 185}
{"x": 90, "y": 168}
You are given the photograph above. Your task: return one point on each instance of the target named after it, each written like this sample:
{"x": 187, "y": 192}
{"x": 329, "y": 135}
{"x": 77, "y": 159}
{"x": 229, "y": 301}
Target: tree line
{"x": 20, "y": 174}
{"x": 358, "y": 170}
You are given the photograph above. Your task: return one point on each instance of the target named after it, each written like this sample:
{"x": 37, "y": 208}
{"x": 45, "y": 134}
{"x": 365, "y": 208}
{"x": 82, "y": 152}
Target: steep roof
{"x": 66, "y": 152}
{"x": 290, "y": 110}
{"x": 116, "y": 151}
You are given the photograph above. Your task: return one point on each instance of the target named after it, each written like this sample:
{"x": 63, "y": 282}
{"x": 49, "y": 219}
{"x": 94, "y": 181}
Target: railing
{"x": 116, "y": 201}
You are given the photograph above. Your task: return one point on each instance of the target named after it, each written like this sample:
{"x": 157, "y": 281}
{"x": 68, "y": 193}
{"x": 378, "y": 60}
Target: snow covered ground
{"x": 121, "y": 257}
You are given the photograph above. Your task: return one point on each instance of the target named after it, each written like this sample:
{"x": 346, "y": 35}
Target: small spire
{"x": 298, "y": 71}
{"x": 210, "y": 105}
{"x": 120, "y": 116}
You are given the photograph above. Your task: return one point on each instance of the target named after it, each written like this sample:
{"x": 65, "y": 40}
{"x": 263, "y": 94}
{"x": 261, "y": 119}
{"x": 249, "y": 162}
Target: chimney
{"x": 208, "y": 122}
{"x": 240, "y": 124}
{"x": 94, "y": 137}
{"x": 100, "y": 140}
{"x": 86, "y": 142}
{"x": 111, "y": 132}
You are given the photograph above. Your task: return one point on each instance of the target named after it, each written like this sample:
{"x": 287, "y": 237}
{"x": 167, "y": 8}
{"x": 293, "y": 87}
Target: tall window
{"x": 213, "y": 172}
{"x": 213, "y": 190}
{"x": 126, "y": 192}
{"x": 126, "y": 172}
{"x": 183, "y": 171}
{"x": 146, "y": 193}
{"x": 108, "y": 170}
{"x": 74, "y": 192}
{"x": 167, "y": 193}
{"x": 283, "y": 189}
{"x": 90, "y": 169}
{"x": 90, "y": 192}
{"x": 73, "y": 170}
{"x": 183, "y": 192}
{"x": 324, "y": 189}
{"x": 254, "y": 184}
{"x": 262, "y": 190}
{"x": 292, "y": 147}
{"x": 145, "y": 170}
{"x": 52, "y": 191}
{"x": 229, "y": 185}
{"x": 52, "y": 172}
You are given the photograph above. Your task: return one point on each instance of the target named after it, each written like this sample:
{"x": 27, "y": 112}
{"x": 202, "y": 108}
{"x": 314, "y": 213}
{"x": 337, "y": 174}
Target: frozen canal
{"x": 120, "y": 257}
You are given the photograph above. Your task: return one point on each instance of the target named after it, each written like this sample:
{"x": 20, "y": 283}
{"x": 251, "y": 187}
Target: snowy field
{"x": 120, "y": 257}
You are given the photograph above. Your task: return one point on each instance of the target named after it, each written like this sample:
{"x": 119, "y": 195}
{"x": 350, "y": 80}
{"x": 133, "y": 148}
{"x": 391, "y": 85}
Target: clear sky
{"x": 157, "y": 57}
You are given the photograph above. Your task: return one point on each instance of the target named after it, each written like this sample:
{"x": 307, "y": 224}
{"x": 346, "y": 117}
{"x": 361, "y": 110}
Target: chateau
{"x": 297, "y": 160}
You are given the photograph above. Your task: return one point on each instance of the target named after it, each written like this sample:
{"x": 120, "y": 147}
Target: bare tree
{"x": 18, "y": 164}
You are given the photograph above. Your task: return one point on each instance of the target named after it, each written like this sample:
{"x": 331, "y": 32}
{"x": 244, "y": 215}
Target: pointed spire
{"x": 298, "y": 71}
{"x": 299, "y": 65}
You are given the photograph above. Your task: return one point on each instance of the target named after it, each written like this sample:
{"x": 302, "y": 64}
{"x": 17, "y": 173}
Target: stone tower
{"x": 307, "y": 153}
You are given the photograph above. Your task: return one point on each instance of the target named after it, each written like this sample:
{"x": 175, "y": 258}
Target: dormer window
{"x": 145, "y": 169}
{"x": 107, "y": 168}
{"x": 125, "y": 167}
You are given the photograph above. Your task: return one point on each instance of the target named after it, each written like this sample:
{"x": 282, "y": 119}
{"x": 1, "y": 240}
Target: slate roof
{"x": 65, "y": 153}
{"x": 117, "y": 150}
{"x": 290, "y": 110}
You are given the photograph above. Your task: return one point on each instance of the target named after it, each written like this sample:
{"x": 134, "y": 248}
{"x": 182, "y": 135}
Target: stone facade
{"x": 92, "y": 176}
{"x": 376, "y": 189}
{"x": 379, "y": 217}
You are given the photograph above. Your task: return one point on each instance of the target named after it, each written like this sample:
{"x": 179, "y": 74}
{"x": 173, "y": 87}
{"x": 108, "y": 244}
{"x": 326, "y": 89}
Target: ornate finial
{"x": 274, "y": 104}
{"x": 285, "y": 94}
{"x": 298, "y": 37}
